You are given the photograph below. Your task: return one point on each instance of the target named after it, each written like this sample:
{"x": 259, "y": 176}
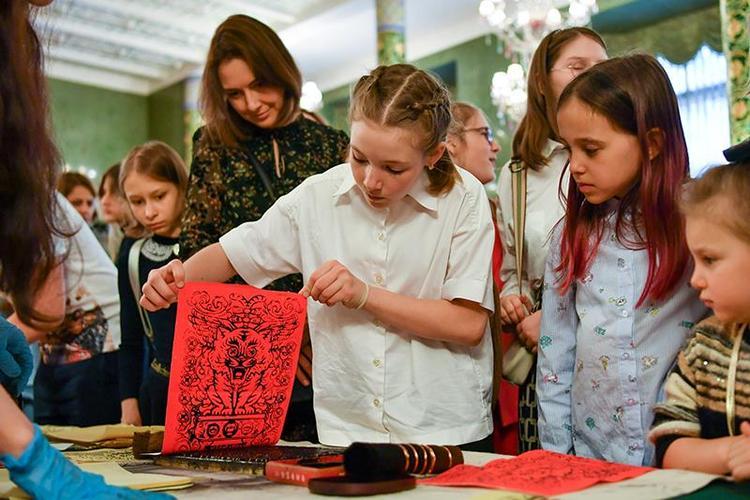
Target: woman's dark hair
{"x": 68, "y": 181}
{"x": 111, "y": 176}
{"x": 538, "y": 124}
{"x": 29, "y": 164}
{"x": 243, "y": 37}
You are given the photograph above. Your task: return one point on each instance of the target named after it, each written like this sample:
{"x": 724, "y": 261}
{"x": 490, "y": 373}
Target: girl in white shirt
{"x": 395, "y": 249}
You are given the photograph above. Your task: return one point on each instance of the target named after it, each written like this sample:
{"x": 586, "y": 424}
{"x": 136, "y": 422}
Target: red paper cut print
{"x": 233, "y": 366}
{"x": 538, "y": 472}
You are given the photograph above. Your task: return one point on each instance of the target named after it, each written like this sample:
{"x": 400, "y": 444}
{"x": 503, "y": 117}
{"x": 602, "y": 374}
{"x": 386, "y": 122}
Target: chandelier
{"x": 521, "y": 25}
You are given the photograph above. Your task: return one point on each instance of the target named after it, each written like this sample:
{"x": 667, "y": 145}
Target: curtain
{"x": 677, "y": 38}
{"x": 700, "y": 85}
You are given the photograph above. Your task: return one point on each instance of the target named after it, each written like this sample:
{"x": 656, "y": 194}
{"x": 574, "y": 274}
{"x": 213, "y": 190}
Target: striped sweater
{"x": 696, "y": 388}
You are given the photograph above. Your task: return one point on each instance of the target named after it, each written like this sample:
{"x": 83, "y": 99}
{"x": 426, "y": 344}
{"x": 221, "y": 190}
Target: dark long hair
{"x": 68, "y": 181}
{"x": 634, "y": 94}
{"x": 539, "y": 122}
{"x": 29, "y": 163}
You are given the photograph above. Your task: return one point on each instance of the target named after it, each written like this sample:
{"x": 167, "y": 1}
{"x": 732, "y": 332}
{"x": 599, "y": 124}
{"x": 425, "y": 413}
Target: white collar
{"x": 418, "y": 191}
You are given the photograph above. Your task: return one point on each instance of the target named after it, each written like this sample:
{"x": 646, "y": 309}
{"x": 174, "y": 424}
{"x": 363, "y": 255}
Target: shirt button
{"x": 376, "y": 363}
{"x": 379, "y": 279}
{"x": 377, "y": 323}
{"x": 631, "y": 401}
{"x": 376, "y": 403}
{"x": 381, "y": 236}
{"x": 624, "y": 313}
{"x": 626, "y": 355}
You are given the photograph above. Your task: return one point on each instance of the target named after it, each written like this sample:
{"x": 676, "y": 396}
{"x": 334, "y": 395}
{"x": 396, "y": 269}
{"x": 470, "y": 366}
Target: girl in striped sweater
{"x": 704, "y": 424}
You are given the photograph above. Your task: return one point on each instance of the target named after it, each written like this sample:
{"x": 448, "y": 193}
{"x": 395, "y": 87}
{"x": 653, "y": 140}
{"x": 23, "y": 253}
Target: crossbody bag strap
{"x": 133, "y": 260}
{"x": 518, "y": 199}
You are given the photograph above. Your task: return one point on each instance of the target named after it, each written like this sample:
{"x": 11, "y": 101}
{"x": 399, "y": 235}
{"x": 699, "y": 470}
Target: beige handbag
{"x": 517, "y": 360}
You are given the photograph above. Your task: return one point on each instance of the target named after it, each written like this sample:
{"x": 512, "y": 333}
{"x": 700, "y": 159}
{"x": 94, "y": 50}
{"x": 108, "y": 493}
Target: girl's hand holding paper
{"x": 333, "y": 283}
{"x": 160, "y": 291}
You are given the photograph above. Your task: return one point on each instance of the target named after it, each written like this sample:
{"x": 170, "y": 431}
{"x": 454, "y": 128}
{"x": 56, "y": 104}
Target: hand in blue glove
{"x": 16, "y": 361}
{"x": 43, "y": 472}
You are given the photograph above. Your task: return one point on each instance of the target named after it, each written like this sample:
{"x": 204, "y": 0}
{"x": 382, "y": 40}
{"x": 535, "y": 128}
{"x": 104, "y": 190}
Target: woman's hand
{"x": 332, "y": 283}
{"x": 160, "y": 291}
{"x": 528, "y": 330}
{"x": 738, "y": 456}
{"x": 130, "y": 413}
{"x": 514, "y": 308}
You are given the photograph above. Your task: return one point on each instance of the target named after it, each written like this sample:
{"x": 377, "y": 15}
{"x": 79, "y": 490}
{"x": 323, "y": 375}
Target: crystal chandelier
{"x": 508, "y": 93}
{"x": 521, "y": 25}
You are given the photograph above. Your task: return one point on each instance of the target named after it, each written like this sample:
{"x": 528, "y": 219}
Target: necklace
{"x": 155, "y": 251}
{"x": 732, "y": 375}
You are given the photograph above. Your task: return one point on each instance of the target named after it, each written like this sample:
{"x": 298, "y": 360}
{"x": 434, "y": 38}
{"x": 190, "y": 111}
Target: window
{"x": 701, "y": 90}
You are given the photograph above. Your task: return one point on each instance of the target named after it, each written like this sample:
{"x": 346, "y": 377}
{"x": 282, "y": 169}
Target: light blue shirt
{"x": 602, "y": 361}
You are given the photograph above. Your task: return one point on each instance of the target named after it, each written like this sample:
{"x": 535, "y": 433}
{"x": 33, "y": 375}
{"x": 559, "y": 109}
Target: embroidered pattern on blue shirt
{"x": 606, "y": 360}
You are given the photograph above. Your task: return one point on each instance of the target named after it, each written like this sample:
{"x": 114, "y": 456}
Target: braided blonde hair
{"x": 401, "y": 95}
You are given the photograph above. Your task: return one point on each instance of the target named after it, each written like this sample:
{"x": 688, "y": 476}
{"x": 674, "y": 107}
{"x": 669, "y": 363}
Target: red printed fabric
{"x": 233, "y": 366}
{"x": 538, "y": 472}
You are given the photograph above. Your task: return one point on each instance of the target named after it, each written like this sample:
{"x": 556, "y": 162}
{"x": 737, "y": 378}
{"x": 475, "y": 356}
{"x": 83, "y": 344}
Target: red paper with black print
{"x": 233, "y": 366}
{"x": 538, "y": 472}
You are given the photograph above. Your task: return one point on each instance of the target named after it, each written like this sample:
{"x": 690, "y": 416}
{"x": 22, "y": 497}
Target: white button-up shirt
{"x": 372, "y": 382}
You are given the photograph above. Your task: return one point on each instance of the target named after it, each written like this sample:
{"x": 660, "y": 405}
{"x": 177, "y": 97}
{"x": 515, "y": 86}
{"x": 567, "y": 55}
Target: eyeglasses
{"x": 485, "y": 131}
{"x": 576, "y": 68}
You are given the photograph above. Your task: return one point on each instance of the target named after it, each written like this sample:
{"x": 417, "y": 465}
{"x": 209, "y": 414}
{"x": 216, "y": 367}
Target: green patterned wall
{"x": 166, "y": 120}
{"x": 95, "y": 127}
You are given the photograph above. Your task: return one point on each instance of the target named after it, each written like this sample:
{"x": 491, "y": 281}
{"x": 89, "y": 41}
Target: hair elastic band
{"x": 363, "y": 298}
{"x": 738, "y": 152}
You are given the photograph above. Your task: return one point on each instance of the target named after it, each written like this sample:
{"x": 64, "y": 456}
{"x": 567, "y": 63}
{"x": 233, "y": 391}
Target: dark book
{"x": 251, "y": 460}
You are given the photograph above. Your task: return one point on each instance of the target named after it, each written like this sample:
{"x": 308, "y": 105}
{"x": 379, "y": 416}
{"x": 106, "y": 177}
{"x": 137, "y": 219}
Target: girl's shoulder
{"x": 124, "y": 252}
{"x": 314, "y": 133}
{"x": 467, "y": 192}
{"x": 204, "y": 146}
{"x": 709, "y": 342}
{"x": 712, "y": 328}
{"x": 319, "y": 128}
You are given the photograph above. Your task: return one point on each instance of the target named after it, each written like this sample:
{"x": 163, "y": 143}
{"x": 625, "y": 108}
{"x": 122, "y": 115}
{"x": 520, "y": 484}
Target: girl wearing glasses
{"x": 471, "y": 143}
{"x": 560, "y": 57}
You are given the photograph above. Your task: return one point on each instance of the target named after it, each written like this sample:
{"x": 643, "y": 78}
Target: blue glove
{"x": 16, "y": 361}
{"x": 43, "y": 472}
